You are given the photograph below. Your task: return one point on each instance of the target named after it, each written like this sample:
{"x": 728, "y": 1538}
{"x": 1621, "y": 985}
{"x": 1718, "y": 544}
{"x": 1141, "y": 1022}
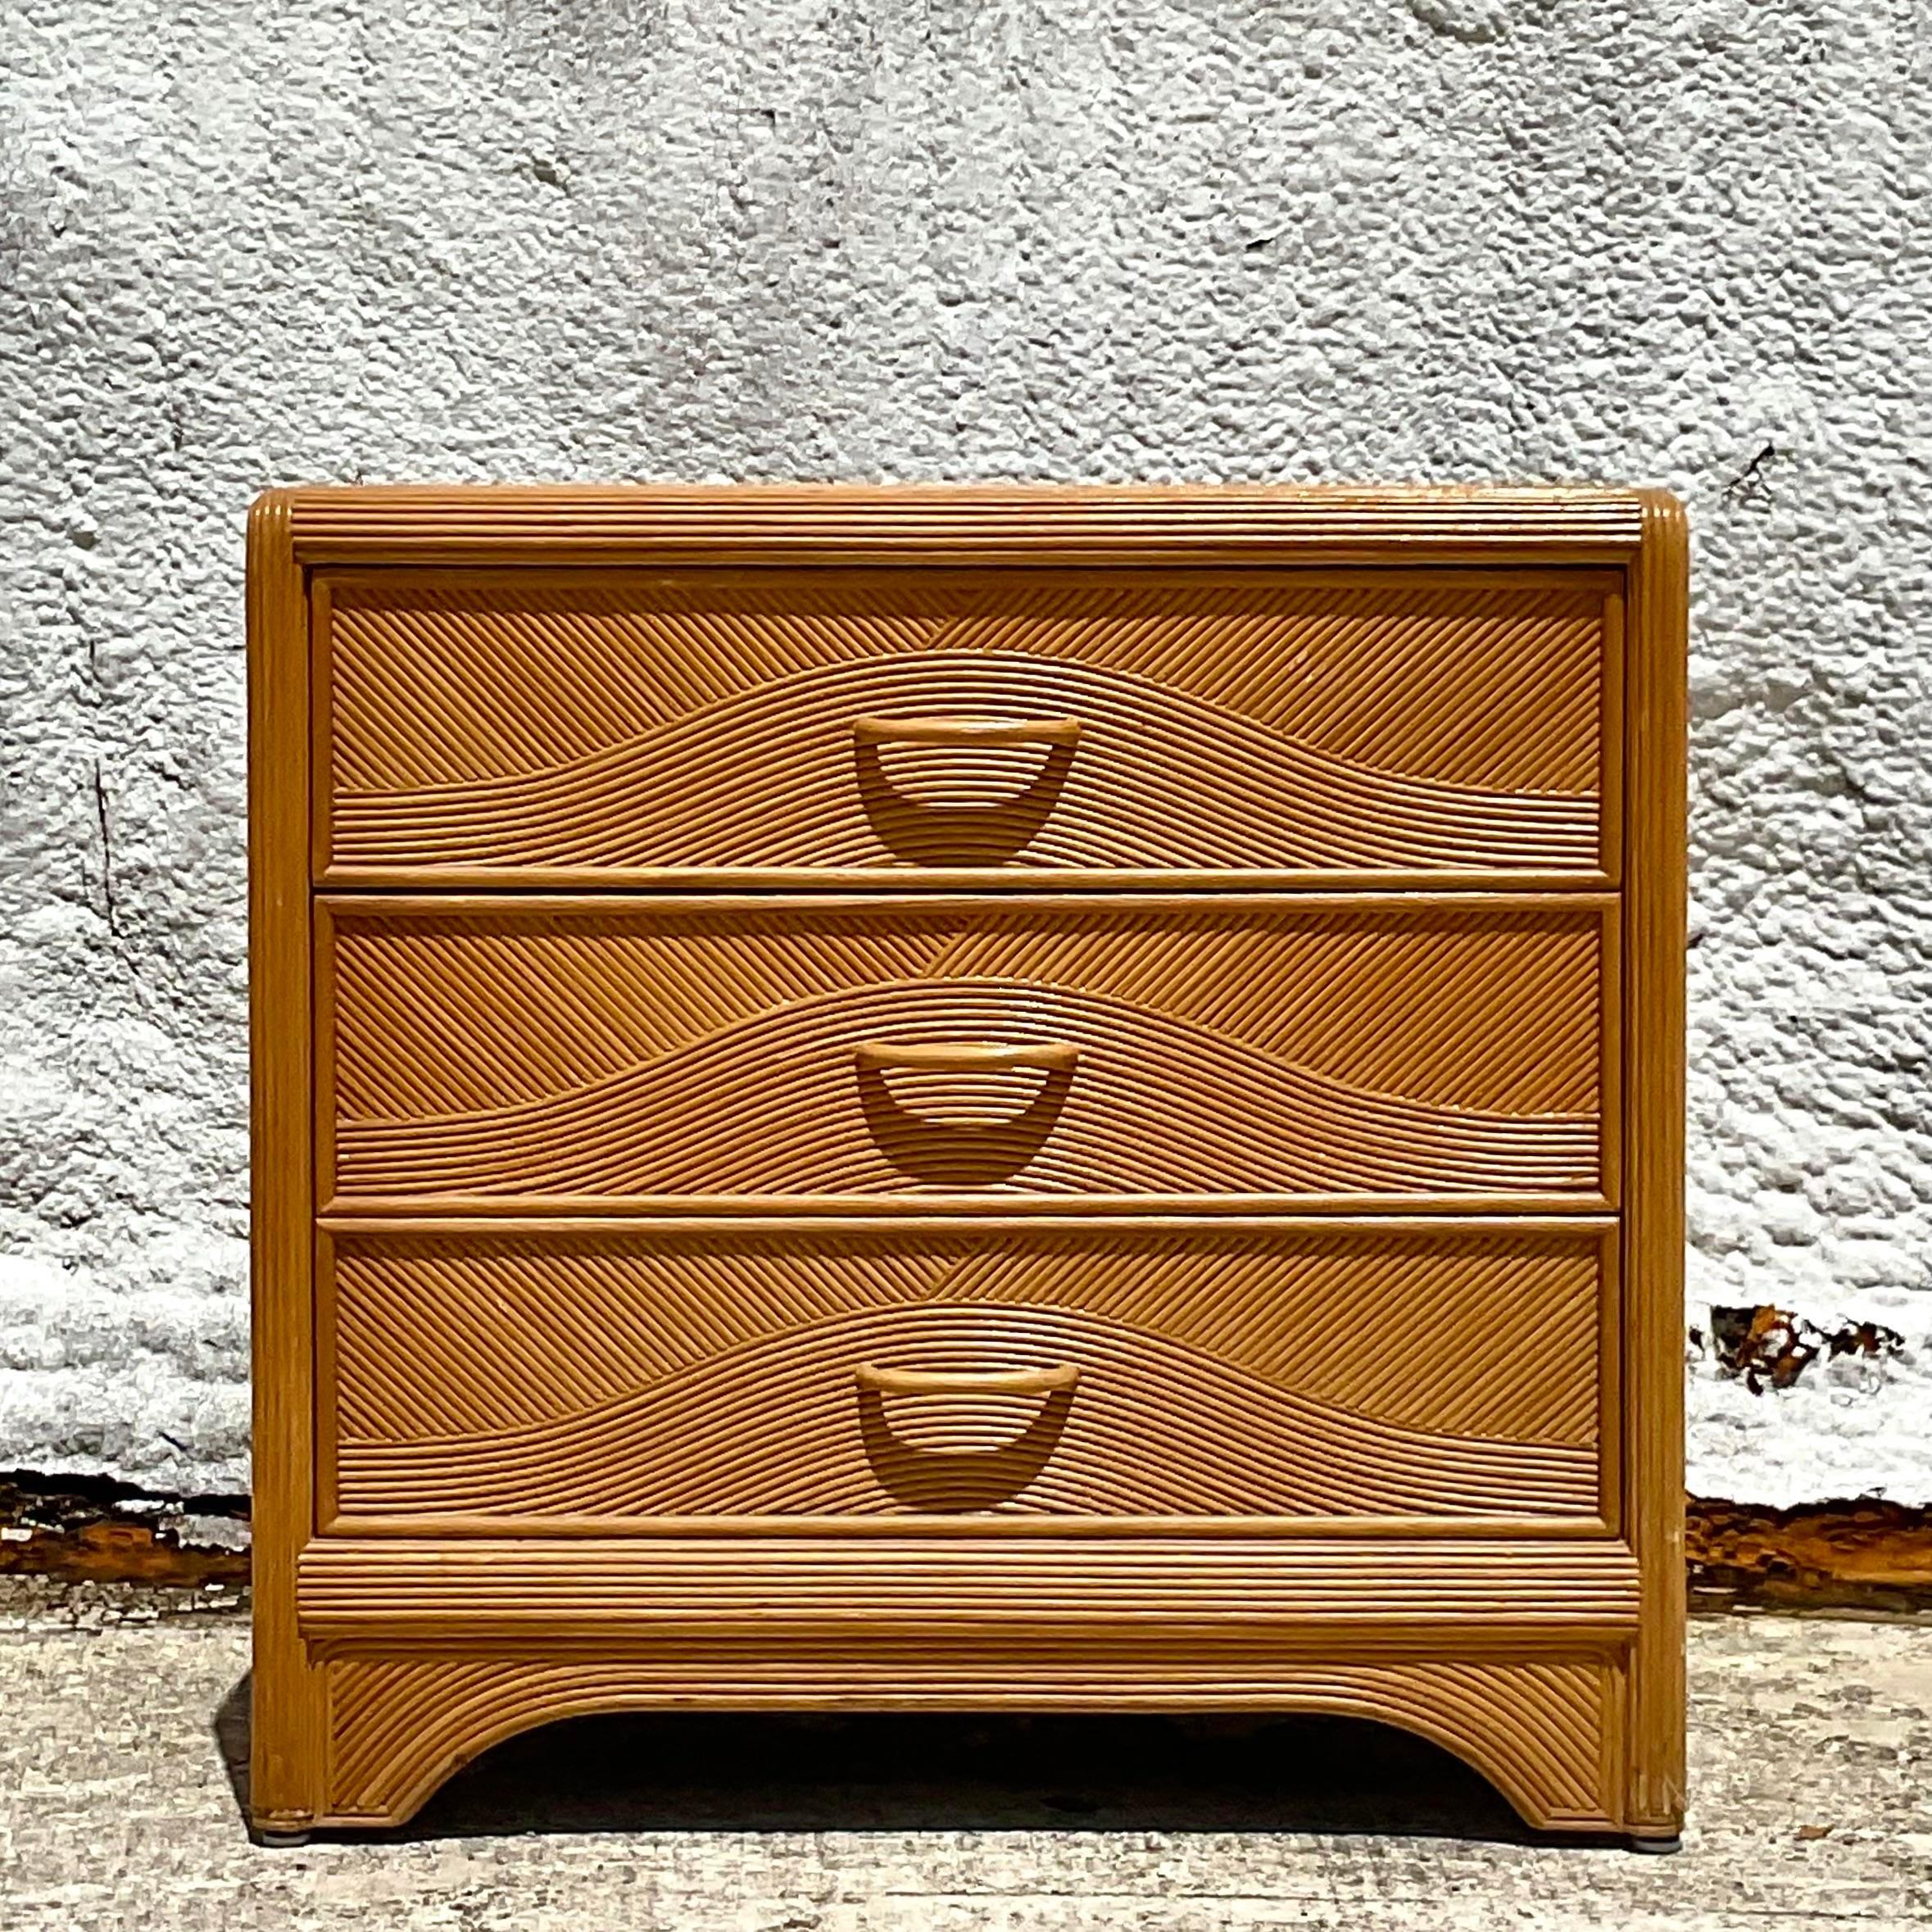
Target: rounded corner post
{"x": 289, "y": 1727}
{"x": 1655, "y": 803}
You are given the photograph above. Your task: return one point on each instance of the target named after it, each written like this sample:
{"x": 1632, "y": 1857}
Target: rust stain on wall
{"x": 1770, "y": 1347}
{"x": 1865, "y": 1555}
{"x": 80, "y": 1528}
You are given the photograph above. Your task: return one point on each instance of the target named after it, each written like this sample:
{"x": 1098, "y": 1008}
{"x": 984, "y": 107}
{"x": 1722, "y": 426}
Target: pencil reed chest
{"x": 962, "y": 1098}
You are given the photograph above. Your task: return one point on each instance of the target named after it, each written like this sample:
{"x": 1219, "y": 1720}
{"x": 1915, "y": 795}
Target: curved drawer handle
{"x": 975, "y": 1382}
{"x": 966, "y": 731}
{"x": 1053, "y": 1056}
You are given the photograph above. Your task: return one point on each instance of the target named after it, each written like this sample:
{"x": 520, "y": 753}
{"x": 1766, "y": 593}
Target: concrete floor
{"x": 1811, "y": 1753}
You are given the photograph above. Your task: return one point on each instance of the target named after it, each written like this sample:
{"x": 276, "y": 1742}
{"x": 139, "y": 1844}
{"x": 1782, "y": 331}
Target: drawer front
{"x": 540, "y": 1373}
{"x": 576, "y": 726}
{"x": 517, "y": 1055}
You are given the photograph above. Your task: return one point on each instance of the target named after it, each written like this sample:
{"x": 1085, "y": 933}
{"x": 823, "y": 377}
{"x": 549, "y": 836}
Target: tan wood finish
{"x": 1191, "y": 1220}
{"x": 1299, "y": 1370}
{"x": 1225, "y": 1050}
{"x": 1655, "y": 768}
{"x": 807, "y": 724}
{"x": 287, "y": 1784}
{"x": 400, "y": 1715}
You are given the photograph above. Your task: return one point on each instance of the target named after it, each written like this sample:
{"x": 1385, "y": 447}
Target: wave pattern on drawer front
{"x": 1379, "y": 1051}
{"x": 701, "y": 720}
{"x": 774, "y": 777}
{"x": 1462, "y": 1332}
{"x": 1152, "y": 1428}
{"x": 774, "y": 1106}
{"x": 1321, "y": 1370}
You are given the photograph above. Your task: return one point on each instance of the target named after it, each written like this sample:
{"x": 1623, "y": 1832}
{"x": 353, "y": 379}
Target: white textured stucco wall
{"x": 1679, "y": 240}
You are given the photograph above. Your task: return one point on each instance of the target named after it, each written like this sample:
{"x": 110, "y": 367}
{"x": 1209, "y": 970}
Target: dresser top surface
{"x": 976, "y": 522}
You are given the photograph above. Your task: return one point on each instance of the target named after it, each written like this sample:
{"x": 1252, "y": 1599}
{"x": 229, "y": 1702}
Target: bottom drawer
{"x": 528, "y": 1376}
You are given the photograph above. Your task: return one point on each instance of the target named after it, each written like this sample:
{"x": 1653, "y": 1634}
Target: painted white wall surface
{"x": 1674, "y": 241}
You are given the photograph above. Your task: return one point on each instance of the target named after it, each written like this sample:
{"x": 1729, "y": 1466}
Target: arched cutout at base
{"x": 1541, "y": 1731}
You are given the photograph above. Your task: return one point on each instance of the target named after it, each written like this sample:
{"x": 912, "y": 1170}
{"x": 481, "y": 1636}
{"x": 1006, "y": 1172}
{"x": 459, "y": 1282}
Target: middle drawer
{"x": 1247, "y": 1051}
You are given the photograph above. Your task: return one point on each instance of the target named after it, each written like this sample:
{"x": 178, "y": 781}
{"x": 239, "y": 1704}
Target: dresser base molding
{"x": 1301, "y": 1592}
{"x": 1546, "y": 1730}
{"x": 1513, "y": 1654}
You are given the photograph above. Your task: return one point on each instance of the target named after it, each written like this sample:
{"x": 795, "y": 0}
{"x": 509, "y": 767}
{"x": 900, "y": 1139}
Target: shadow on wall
{"x": 737, "y": 1771}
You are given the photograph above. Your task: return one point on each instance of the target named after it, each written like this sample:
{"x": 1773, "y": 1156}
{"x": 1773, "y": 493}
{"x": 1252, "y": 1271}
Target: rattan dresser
{"x": 1046, "y": 1099}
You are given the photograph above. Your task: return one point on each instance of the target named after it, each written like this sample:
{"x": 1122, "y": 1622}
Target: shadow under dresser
{"x": 968, "y": 1098}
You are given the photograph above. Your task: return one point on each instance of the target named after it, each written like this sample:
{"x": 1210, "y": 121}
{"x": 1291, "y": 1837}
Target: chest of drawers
{"x": 968, "y": 1098}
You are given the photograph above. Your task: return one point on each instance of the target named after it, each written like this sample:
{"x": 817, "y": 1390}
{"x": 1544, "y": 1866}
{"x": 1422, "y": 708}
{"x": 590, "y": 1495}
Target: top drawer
{"x": 557, "y": 726}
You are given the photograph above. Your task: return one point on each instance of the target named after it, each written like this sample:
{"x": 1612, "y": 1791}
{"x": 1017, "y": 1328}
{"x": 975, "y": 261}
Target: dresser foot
{"x": 1657, "y": 1847}
{"x": 278, "y": 1841}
